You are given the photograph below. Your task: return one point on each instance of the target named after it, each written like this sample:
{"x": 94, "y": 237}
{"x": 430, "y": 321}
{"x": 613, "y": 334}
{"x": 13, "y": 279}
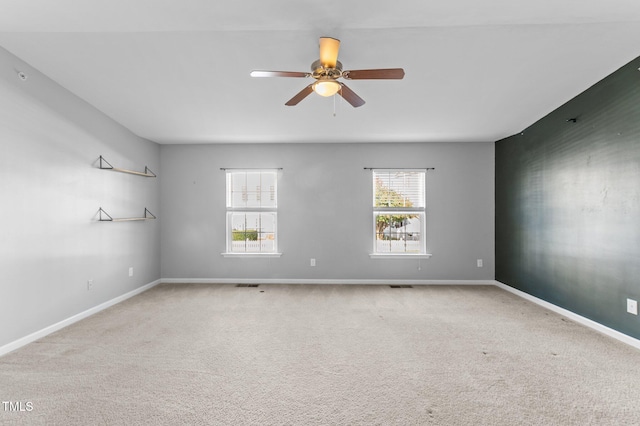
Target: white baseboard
{"x": 321, "y": 281}
{"x": 573, "y": 316}
{"x": 75, "y": 318}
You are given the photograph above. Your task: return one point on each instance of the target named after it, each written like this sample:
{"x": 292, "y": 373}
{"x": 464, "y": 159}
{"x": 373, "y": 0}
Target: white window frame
{"x": 231, "y": 210}
{"x": 419, "y": 211}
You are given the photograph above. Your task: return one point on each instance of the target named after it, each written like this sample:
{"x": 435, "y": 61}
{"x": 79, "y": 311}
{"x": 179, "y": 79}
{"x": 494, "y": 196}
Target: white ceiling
{"x": 177, "y": 71}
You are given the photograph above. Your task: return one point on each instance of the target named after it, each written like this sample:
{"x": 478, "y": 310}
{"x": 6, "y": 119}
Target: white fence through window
{"x": 397, "y": 246}
{"x": 253, "y": 246}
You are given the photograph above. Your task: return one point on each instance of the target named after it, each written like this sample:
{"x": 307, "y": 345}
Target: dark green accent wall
{"x": 568, "y": 204}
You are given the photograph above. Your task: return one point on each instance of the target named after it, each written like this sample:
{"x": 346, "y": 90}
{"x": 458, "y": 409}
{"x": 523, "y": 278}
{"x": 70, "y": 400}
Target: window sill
{"x": 246, "y": 255}
{"x": 400, "y": 256}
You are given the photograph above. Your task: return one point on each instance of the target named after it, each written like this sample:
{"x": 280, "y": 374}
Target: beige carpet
{"x": 323, "y": 355}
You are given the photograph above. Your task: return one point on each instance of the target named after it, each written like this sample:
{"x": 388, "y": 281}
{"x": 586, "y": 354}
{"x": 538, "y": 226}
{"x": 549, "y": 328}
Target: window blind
{"x": 399, "y": 188}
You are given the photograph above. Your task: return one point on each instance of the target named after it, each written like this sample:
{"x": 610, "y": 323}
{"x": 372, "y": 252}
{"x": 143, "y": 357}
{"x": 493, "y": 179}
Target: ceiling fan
{"x": 327, "y": 70}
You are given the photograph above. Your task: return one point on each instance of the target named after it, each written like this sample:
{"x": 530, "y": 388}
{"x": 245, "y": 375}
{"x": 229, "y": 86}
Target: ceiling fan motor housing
{"x": 318, "y": 71}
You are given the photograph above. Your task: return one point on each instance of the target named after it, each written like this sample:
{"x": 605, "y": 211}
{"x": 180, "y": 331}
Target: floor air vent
{"x": 247, "y": 285}
{"x": 401, "y": 286}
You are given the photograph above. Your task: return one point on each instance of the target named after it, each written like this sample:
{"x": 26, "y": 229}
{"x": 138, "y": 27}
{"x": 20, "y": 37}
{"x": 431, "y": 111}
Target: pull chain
{"x": 334, "y": 101}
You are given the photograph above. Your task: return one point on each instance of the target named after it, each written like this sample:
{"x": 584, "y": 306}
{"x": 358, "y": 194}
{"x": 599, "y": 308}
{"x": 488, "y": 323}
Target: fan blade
{"x": 259, "y": 73}
{"x": 379, "y": 74}
{"x": 300, "y": 96}
{"x": 350, "y": 96}
{"x": 329, "y": 51}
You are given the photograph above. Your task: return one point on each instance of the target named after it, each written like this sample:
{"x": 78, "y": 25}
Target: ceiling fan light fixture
{"x": 326, "y": 87}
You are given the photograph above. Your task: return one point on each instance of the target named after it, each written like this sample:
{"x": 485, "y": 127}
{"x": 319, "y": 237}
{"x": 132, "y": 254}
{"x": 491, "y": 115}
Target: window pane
{"x": 268, "y": 187}
{"x": 398, "y": 188}
{"x": 398, "y": 233}
{"x": 252, "y": 189}
{"x": 253, "y": 232}
{"x": 238, "y": 199}
{"x": 267, "y": 222}
{"x": 236, "y": 189}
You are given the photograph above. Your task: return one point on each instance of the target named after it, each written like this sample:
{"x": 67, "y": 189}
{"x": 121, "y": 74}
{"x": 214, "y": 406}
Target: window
{"x": 399, "y": 212}
{"x": 252, "y": 202}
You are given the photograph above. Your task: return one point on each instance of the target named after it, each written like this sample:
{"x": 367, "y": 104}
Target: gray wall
{"x": 568, "y": 204}
{"x": 325, "y": 210}
{"x": 50, "y": 192}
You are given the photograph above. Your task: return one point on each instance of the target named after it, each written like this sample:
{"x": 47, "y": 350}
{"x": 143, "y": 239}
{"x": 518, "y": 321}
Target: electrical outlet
{"x": 131, "y": 271}
{"x": 312, "y": 262}
{"x": 89, "y": 284}
{"x": 479, "y": 263}
{"x": 632, "y": 306}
